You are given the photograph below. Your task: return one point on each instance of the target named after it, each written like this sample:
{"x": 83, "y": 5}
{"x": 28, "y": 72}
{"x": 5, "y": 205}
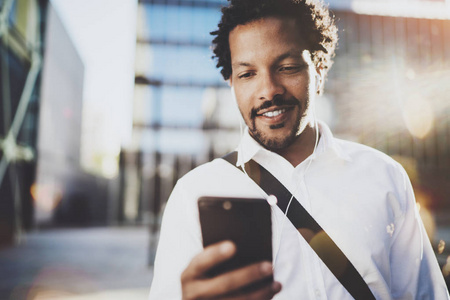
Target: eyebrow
{"x": 290, "y": 53}
{"x": 241, "y": 64}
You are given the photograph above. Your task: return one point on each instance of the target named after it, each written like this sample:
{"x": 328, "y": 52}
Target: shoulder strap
{"x": 317, "y": 238}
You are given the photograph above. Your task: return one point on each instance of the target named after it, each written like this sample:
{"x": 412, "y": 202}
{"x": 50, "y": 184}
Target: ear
{"x": 230, "y": 82}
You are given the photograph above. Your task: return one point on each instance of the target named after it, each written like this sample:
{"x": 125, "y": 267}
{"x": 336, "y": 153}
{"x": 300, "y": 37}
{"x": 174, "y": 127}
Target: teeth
{"x": 275, "y": 113}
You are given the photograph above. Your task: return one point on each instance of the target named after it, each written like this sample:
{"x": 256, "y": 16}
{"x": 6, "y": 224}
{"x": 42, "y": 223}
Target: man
{"x": 275, "y": 55}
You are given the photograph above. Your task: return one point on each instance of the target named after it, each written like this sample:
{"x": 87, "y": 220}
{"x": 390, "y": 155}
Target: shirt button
{"x": 317, "y": 293}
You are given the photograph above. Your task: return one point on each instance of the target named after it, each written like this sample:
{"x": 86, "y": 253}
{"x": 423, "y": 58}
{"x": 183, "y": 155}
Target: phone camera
{"x": 227, "y": 205}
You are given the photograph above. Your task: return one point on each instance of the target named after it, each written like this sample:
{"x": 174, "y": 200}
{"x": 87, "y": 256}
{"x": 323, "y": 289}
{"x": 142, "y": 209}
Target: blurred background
{"x": 104, "y": 104}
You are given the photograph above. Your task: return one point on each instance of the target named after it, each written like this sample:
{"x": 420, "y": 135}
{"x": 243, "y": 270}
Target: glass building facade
{"x": 178, "y": 67}
{"x": 20, "y": 64}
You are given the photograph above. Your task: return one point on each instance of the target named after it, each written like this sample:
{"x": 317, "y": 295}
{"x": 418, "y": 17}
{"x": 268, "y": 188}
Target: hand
{"x": 195, "y": 285}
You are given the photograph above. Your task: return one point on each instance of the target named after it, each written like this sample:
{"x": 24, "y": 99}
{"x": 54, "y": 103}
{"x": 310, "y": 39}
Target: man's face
{"x": 273, "y": 79}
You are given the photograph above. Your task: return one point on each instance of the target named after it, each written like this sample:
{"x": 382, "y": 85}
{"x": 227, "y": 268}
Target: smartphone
{"x": 246, "y": 222}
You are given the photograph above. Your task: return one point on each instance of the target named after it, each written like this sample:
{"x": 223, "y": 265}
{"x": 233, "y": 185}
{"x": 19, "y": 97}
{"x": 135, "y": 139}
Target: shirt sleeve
{"x": 179, "y": 242}
{"x": 415, "y": 273}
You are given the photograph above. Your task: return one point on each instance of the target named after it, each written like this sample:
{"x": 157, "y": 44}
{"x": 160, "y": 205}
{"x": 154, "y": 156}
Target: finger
{"x": 208, "y": 258}
{"x": 233, "y": 280}
{"x": 265, "y": 293}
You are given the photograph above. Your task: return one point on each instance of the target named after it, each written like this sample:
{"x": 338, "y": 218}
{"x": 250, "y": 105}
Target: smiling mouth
{"x": 275, "y": 113}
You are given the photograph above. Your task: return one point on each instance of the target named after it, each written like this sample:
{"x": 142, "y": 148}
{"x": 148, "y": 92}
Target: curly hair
{"x": 312, "y": 18}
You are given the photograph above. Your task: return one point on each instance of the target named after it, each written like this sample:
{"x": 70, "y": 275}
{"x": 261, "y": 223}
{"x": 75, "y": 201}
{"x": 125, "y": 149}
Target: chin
{"x": 275, "y": 143}
{"x": 275, "y": 137}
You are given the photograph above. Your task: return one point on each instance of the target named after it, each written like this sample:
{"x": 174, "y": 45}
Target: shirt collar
{"x": 330, "y": 143}
{"x": 248, "y": 147}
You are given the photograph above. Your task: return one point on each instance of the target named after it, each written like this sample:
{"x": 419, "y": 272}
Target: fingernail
{"x": 276, "y": 287}
{"x": 226, "y": 247}
{"x": 266, "y": 268}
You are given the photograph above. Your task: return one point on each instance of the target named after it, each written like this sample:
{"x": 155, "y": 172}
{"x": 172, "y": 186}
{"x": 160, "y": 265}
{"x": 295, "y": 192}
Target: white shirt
{"x": 362, "y": 198}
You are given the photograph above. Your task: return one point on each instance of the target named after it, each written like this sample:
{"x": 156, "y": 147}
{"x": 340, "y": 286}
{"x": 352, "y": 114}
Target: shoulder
{"x": 201, "y": 181}
{"x": 366, "y": 156}
{"x": 217, "y": 178}
{"x": 374, "y": 167}
{"x": 378, "y": 170}
{"x": 359, "y": 151}
{"x": 217, "y": 168}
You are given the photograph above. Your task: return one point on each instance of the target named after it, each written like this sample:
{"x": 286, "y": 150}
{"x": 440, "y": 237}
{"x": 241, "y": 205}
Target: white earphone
{"x": 318, "y": 83}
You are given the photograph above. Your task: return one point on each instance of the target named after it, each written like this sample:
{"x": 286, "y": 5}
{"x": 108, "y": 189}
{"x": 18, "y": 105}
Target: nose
{"x": 269, "y": 87}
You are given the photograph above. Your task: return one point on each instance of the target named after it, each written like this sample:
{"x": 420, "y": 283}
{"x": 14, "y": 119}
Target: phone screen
{"x": 246, "y": 222}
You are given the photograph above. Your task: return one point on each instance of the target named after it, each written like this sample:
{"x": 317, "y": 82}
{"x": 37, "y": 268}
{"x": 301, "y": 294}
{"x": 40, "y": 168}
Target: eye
{"x": 288, "y": 69}
{"x": 245, "y": 75}
{"x": 291, "y": 69}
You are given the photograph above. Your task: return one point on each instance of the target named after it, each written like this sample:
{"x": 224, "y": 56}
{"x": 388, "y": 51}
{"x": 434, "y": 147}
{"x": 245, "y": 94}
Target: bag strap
{"x": 317, "y": 238}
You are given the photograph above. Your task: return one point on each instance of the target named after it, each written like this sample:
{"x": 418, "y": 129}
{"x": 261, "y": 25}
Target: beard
{"x": 280, "y": 142}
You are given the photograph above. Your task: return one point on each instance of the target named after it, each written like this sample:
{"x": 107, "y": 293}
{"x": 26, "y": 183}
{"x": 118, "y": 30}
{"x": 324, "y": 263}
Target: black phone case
{"x": 246, "y": 222}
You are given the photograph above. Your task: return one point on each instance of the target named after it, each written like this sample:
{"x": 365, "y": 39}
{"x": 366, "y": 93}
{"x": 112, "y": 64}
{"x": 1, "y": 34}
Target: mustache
{"x": 278, "y": 100}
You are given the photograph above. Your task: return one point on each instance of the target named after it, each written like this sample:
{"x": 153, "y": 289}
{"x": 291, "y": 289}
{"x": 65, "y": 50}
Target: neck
{"x": 301, "y": 148}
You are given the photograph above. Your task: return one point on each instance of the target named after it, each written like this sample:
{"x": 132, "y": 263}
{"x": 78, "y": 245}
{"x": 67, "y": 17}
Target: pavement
{"x": 77, "y": 264}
